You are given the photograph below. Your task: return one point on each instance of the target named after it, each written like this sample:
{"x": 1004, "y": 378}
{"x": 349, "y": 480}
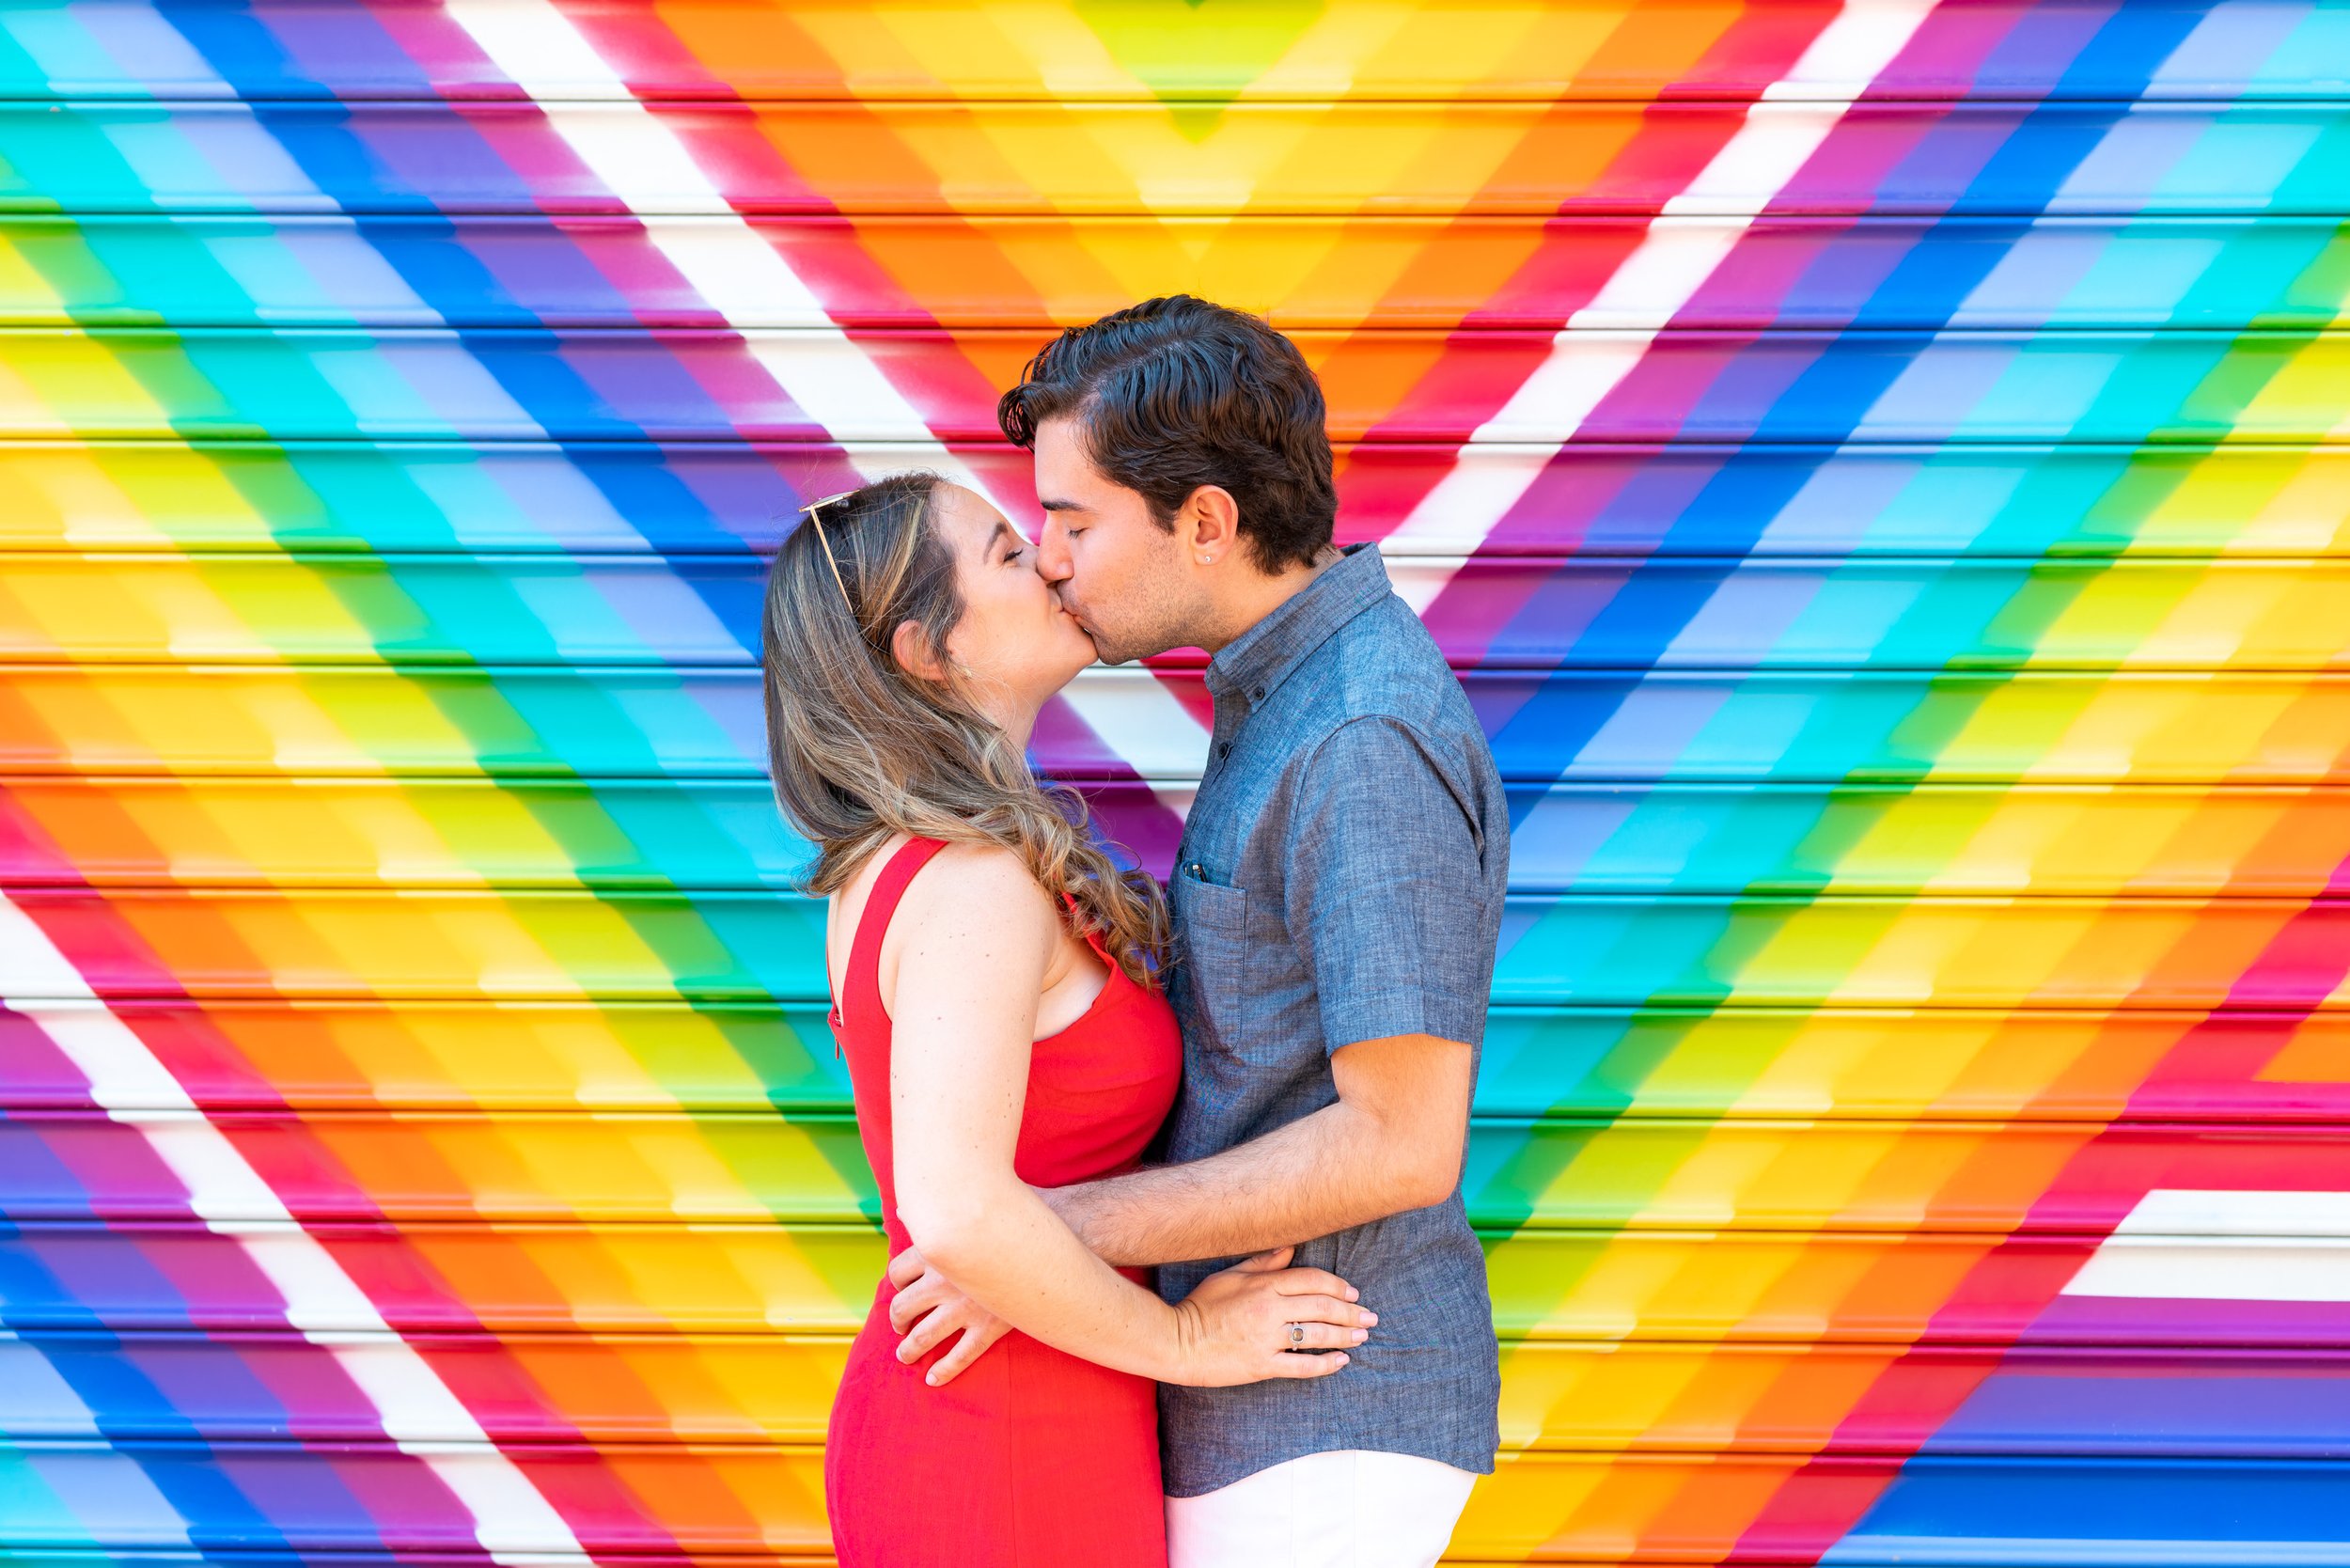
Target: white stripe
{"x": 30, "y": 965}
{"x": 1590, "y": 357}
{"x": 412, "y": 1409}
{"x": 2217, "y": 1245}
{"x": 220, "y": 1184}
{"x": 546, "y": 62}
{"x": 738, "y": 274}
{"x": 2181, "y": 1211}
{"x": 1418, "y": 579}
{"x": 323, "y": 1301}
{"x": 118, "y": 1082}
{"x": 1137, "y": 717}
{"x": 725, "y": 258}
{"x": 632, "y": 152}
{"x": 510, "y": 1515}
{"x": 1754, "y": 166}
{"x": 1851, "y": 51}
{"x": 1674, "y": 258}
{"x": 2215, "y": 1269}
{"x": 1550, "y": 404}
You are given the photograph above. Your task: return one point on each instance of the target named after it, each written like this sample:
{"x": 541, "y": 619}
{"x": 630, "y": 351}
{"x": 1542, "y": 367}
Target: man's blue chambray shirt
{"x": 1340, "y": 879}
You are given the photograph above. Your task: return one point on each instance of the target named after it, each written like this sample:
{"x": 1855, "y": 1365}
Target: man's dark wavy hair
{"x": 1176, "y": 393}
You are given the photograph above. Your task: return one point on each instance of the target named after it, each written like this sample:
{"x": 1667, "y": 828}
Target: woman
{"x": 994, "y": 975}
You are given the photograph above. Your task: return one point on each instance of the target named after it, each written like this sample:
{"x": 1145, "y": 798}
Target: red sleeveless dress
{"x": 1031, "y": 1458}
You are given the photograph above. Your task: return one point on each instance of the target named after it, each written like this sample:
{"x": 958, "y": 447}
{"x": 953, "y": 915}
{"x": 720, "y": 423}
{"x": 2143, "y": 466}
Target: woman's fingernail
{"x": 930, "y": 1378}
{"x": 1361, "y": 1334}
{"x": 1354, "y": 1294}
{"x": 1370, "y": 1319}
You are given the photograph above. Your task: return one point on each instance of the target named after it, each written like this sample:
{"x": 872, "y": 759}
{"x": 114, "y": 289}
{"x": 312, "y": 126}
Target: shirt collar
{"x": 1260, "y": 659}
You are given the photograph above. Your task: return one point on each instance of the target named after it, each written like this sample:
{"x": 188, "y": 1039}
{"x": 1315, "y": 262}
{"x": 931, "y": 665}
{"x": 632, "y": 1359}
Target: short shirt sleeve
{"x": 1384, "y": 887}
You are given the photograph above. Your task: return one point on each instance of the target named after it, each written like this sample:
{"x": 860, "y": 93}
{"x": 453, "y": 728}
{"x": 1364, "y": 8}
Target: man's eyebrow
{"x": 1056, "y": 504}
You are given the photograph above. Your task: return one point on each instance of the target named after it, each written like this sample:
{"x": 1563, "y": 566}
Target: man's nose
{"x": 1052, "y": 553}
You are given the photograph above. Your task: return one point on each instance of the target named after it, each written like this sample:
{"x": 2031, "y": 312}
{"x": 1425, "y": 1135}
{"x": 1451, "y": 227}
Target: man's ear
{"x": 1214, "y": 517}
{"x": 911, "y": 649}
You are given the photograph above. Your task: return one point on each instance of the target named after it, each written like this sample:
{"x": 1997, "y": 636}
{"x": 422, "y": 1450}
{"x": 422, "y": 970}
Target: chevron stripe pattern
{"x": 1880, "y": 468}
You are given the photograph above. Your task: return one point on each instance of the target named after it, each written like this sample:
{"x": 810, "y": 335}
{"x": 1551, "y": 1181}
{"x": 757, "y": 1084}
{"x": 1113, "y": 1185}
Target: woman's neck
{"x": 1014, "y": 717}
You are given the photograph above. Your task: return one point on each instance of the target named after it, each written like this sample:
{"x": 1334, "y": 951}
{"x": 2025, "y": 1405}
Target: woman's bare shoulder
{"x": 976, "y": 907}
{"x": 981, "y": 879}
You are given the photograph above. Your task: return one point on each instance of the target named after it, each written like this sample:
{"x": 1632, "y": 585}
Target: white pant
{"x": 1350, "y": 1509}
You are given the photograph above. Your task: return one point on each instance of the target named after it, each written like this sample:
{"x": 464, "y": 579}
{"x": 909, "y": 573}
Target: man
{"x": 1336, "y": 901}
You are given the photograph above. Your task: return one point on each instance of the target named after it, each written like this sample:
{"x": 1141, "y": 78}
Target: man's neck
{"x": 1257, "y": 596}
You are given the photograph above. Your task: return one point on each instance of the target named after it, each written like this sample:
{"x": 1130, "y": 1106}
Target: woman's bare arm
{"x": 973, "y": 940}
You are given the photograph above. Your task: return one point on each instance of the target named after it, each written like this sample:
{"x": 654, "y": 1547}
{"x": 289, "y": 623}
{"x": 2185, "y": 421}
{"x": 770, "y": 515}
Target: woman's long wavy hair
{"x": 862, "y": 748}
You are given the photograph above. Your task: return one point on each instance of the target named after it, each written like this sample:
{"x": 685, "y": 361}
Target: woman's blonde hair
{"x": 862, "y": 748}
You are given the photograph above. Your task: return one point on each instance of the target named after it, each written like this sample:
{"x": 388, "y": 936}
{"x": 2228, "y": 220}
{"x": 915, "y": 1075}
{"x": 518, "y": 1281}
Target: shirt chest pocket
{"x": 1220, "y": 938}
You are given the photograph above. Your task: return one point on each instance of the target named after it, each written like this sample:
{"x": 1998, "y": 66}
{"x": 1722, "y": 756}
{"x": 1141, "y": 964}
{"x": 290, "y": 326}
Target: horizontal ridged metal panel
{"x": 1500, "y": 614}
{"x": 1990, "y": 49}
{"x": 708, "y": 834}
{"x": 1873, "y": 727}
{"x": 1522, "y": 273}
{"x": 2180, "y": 499}
{"x": 1580, "y": 949}
{"x": 1873, "y": 467}
{"x": 1351, "y": 156}
{"x": 499, "y": 385}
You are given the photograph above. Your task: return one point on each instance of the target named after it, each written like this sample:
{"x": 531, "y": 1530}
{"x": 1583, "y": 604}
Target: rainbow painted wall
{"x": 1882, "y": 471}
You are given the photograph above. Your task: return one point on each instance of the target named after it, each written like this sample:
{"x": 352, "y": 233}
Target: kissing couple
{"x": 1256, "y": 1083}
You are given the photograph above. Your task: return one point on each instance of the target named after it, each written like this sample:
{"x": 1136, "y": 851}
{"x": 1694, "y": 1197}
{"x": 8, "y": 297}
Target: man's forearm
{"x": 1320, "y": 1173}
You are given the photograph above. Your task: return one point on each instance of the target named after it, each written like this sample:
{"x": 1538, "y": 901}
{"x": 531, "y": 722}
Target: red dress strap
{"x": 862, "y": 984}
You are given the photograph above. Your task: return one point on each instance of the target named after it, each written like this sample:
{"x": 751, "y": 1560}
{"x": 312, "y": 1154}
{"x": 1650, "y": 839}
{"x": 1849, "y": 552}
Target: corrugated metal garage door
{"x": 1877, "y": 468}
